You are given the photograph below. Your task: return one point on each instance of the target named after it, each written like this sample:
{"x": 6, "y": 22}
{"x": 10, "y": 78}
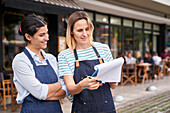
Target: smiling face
{"x": 81, "y": 32}
{"x": 39, "y": 39}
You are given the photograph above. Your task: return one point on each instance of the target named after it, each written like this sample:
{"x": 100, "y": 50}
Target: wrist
{"x": 80, "y": 84}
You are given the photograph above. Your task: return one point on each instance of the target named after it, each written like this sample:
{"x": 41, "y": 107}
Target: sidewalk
{"x": 131, "y": 94}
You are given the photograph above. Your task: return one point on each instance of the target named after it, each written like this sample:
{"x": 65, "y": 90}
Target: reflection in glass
{"x": 115, "y": 20}
{"x": 148, "y": 41}
{"x": 155, "y": 38}
{"x": 90, "y": 15}
{"x": 115, "y": 40}
{"x": 147, "y": 26}
{"x": 102, "y": 33}
{"x": 102, "y": 18}
{"x": 138, "y": 24}
{"x": 168, "y": 37}
{"x": 128, "y": 40}
{"x": 127, "y": 23}
{"x": 156, "y": 27}
{"x": 13, "y": 43}
{"x": 138, "y": 40}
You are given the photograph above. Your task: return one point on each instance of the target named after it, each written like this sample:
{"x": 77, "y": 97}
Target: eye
{"x": 80, "y": 30}
{"x": 42, "y": 34}
{"x": 87, "y": 28}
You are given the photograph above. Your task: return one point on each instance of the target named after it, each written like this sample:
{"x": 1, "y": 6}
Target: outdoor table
{"x": 144, "y": 66}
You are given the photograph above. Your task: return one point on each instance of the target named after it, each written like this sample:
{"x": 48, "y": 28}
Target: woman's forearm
{"x": 53, "y": 89}
{"x": 59, "y": 95}
{"x": 87, "y": 83}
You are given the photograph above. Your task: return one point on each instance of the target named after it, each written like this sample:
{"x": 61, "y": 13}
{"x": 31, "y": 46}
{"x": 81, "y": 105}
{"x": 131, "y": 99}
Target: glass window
{"x": 147, "y": 26}
{"x": 168, "y": 38}
{"x": 13, "y": 43}
{"x": 127, "y": 23}
{"x": 90, "y": 15}
{"x": 156, "y": 27}
{"x": 138, "y": 40}
{"x": 148, "y": 41}
{"x": 102, "y": 33}
{"x": 128, "y": 40}
{"x": 115, "y": 40}
{"x": 155, "y": 38}
{"x": 115, "y": 20}
{"x": 138, "y": 24}
{"x": 102, "y": 18}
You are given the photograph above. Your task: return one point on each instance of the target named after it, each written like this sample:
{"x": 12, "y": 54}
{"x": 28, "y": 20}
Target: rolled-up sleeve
{"x": 25, "y": 76}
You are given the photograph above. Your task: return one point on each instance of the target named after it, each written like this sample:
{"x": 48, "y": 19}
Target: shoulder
{"x": 21, "y": 60}
{"x": 65, "y": 54}
{"x": 102, "y": 47}
{"x": 20, "y": 57}
{"x": 50, "y": 56}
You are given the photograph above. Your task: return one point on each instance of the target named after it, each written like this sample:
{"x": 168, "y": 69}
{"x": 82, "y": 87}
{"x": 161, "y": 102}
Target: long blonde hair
{"x": 78, "y": 15}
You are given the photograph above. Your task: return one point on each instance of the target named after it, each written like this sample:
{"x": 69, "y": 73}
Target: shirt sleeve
{"x": 61, "y": 81}
{"x": 108, "y": 53}
{"x": 26, "y": 77}
{"x": 64, "y": 68}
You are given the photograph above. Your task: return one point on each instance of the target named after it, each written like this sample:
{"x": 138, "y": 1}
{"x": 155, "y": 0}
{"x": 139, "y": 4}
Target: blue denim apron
{"x": 46, "y": 75}
{"x": 91, "y": 101}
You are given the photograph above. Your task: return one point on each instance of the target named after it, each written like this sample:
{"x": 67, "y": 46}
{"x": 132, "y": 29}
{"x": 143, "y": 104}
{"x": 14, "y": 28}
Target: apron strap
{"x": 98, "y": 55}
{"x": 76, "y": 58}
{"x": 95, "y": 50}
{"x": 29, "y": 57}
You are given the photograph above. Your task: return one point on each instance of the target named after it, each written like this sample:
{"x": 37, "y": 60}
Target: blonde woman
{"x": 78, "y": 61}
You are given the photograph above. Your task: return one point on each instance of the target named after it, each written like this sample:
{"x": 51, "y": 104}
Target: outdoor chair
{"x": 129, "y": 74}
{"x": 14, "y": 105}
{"x": 5, "y": 89}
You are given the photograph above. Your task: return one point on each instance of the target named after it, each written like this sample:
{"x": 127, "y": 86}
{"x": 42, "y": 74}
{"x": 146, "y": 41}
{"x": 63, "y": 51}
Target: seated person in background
{"x": 157, "y": 60}
{"x": 130, "y": 59}
{"x": 139, "y": 59}
{"x": 148, "y": 59}
{"x": 166, "y": 54}
{"x": 122, "y": 54}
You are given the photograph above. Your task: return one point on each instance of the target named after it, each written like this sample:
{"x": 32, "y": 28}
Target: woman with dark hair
{"x": 77, "y": 63}
{"x": 148, "y": 59}
{"x": 36, "y": 72}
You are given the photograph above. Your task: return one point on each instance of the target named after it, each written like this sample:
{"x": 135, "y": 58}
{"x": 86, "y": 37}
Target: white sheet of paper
{"x": 110, "y": 71}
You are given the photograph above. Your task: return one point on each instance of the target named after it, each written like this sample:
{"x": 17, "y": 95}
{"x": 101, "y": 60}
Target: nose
{"x": 84, "y": 33}
{"x": 47, "y": 37}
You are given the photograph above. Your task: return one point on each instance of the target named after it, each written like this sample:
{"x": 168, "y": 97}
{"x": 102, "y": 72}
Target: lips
{"x": 84, "y": 39}
{"x": 44, "y": 43}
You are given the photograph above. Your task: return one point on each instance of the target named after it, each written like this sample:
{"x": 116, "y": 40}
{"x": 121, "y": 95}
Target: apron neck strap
{"x": 30, "y": 57}
{"x": 95, "y": 50}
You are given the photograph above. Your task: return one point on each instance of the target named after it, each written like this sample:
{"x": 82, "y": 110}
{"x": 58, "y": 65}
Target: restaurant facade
{"x": 122, "y": 27}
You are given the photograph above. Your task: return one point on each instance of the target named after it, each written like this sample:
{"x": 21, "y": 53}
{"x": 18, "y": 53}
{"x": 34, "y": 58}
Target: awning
{"x": 103, "y": 7}
{"x": 59, "y": 7}
{"x": 63, "y": 3}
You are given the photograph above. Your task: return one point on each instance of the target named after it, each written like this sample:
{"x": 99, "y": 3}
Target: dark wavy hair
{"x": 30, "y": 24}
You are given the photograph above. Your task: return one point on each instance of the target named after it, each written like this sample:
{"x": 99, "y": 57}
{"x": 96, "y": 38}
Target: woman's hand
{"x": 113, "y": 85}
{"x": 90, "y": 83}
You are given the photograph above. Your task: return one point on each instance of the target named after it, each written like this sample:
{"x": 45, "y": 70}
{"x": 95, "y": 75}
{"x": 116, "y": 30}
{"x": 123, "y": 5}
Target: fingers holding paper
{"x": 90, "y": 83}
{"x": 113, "y": 85}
